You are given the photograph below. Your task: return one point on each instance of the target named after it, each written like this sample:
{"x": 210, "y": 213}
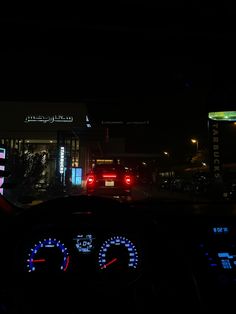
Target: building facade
{"x": 50, "y": 141}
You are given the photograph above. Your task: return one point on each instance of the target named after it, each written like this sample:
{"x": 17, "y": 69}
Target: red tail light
{"x": 90, "y": 179}
{"x": 128, "y": 180}
{"x": 109, "y": 176}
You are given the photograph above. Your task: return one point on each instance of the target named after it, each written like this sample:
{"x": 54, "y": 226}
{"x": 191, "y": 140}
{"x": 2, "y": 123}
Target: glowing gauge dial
{"x": 118, "y": 253}
{"x": 48, "y": 255}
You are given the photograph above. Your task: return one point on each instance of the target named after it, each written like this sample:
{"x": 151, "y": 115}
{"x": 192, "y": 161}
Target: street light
{"x": 195, "y": 141}
{"x": 166, "y": 153}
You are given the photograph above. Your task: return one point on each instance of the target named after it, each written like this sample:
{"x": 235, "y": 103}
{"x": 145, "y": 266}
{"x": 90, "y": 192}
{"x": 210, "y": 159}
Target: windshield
{"x": 148, "y": 98}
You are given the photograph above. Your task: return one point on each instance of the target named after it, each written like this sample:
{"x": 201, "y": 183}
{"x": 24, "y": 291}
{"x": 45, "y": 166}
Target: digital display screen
{"x": 227, "y": 260}
{"x": 220, "y": 230}
{"x": 84, "y": 243}
{"x": 223, "y": 260}
{"x": 220, "y": 249}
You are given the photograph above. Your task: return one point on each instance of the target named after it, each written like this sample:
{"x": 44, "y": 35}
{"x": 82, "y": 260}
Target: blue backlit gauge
{"x": 118, "y": 253}
{"x": 48, "y": 255}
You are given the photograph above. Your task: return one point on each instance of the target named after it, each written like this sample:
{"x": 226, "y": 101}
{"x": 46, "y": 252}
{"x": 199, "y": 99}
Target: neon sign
{"x": 49, "y": 119}
{"x": 222, "y": 115}
{"x": 62, "y": 159}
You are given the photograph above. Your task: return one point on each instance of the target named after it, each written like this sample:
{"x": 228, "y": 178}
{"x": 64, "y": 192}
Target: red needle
{"x": 38, "y": 260}
{"x": 67, "y": 263}
{"x": 109, "y": 263}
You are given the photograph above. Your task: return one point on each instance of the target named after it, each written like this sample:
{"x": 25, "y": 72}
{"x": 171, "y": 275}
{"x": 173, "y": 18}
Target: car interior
{"x": 82, "y": 252}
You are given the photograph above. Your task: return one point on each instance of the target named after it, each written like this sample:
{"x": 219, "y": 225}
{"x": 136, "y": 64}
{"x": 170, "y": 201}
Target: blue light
{"x": 118, "y": 241}
{"x": 226, "y": 264}
{"x": 46, "y": 243}
{"x": 225, "y": 254}
{"x": 220, "y": 230}
{"x": 76, "y": 176}
{"x": 213, "y": 265}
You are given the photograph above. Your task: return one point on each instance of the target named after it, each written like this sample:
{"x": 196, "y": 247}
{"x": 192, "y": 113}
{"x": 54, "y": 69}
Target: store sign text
{"x": 49, "y": 119}
{"x": 216, "y": 151}
{"x": 62, "y": 160}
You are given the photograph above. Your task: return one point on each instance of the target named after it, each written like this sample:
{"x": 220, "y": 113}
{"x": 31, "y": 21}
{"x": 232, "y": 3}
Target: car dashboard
{"x": 83, "y": 252}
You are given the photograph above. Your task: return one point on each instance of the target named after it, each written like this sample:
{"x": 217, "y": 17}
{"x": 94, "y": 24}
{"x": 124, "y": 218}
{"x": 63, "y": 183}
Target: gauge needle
{"x": 67, "y": 263}
{"x": 39, "y": 260}
{"x": 109, "y": 263}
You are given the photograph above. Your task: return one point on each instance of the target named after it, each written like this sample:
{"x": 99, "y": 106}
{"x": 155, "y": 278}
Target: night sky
{"x": 174, "y": 60}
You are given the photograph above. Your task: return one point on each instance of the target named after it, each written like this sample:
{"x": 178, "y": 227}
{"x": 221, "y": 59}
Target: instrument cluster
{"x": 116, "y": 256}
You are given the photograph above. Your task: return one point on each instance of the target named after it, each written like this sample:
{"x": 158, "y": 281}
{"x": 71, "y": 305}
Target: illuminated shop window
{"x": 76, "y": 176}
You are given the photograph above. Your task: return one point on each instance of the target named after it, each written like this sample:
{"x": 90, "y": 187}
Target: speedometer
{"x": 118, "y": 253}
{"x": 48, "y": 255}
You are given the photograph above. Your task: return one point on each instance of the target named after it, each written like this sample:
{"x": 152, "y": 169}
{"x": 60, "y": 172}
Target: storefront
{"x": 52, "y": 139}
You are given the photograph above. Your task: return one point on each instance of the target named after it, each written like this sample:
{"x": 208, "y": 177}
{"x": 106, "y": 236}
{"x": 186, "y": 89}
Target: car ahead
{"x": 111, "y": 180}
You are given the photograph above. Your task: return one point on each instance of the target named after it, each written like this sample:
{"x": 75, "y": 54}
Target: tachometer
{"x": 118, "y": 253}
{"x": 48, "y": 255}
